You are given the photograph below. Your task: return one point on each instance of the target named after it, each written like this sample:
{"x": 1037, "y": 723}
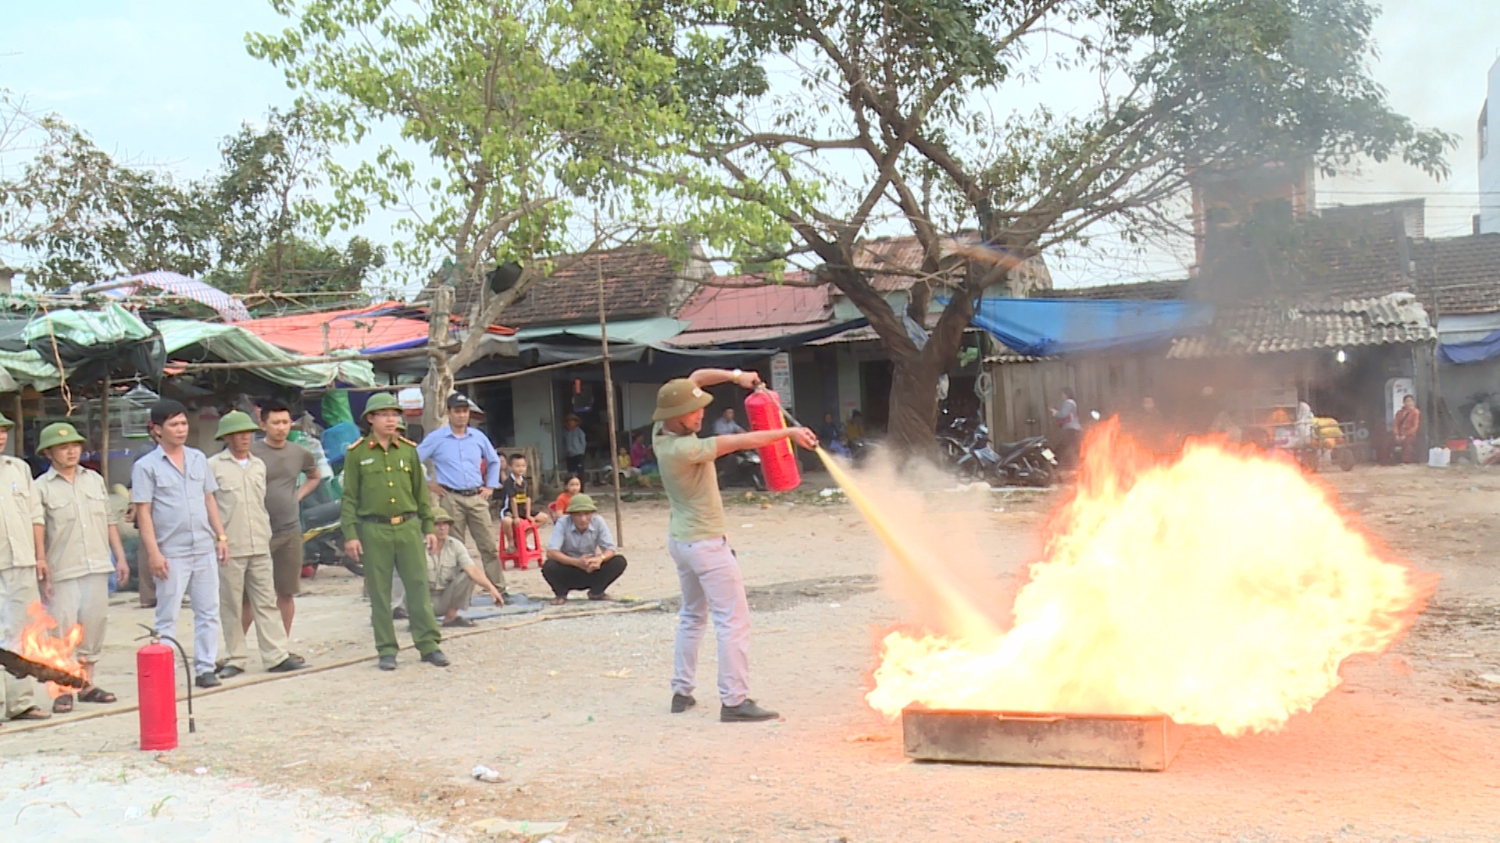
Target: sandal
{"x": 33, "y": 713}
{"x": 459, "y": 621}
{"x": 604, "y": 598}
{"x": 96, "y": 694}
{"x": 558, "y": 601}
{"x": 63, "y": 704}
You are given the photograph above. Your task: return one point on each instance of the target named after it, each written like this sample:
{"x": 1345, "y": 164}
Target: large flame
{"x": 1220, "y": 587}
{"x": 39, "y": 642}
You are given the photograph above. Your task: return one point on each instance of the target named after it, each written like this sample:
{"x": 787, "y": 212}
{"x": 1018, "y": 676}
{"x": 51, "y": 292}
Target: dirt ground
{"x": 573, "y": 712}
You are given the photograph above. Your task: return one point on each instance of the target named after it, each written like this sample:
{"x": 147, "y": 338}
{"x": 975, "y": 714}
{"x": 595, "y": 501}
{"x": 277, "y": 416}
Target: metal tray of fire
{"x": 1100, "y": 741}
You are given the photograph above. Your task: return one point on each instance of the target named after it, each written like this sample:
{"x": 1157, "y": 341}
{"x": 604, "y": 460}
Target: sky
{"x": 161, "y": 81}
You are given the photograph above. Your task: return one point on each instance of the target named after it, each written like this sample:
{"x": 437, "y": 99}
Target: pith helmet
{"x": 441, "y": 517}
{"x": 581, "y": 503}
{"x": 6, "y": 422}
{"x": 236, "y": 422}
{"x": 60, "y": 433}
{"x": 381, "y": 401}
{"x": 678, "y": 398}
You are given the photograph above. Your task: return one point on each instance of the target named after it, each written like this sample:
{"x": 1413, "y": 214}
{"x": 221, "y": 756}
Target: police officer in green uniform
{"x": 387, "y": 523}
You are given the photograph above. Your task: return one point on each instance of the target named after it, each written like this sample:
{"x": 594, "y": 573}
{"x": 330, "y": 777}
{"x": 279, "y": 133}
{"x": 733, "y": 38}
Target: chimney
{"x": 6, "y": 274}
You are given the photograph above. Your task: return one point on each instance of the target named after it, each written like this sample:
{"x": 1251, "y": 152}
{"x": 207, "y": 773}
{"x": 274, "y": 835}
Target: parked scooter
{"x": 323, "y": 540}
{"x": 741, "y": 468}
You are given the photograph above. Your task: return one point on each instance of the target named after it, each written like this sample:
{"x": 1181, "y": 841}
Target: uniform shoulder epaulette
{"x": 355, "y": 444}
{"x": 407, "y": 441}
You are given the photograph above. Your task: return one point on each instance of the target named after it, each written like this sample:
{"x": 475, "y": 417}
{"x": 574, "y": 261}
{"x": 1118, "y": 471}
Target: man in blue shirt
{"x": 185, "y": 543}
{"x": 463, "y": 490}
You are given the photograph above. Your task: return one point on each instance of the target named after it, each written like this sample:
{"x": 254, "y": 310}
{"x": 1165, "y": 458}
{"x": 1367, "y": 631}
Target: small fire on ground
{"x": 40, "y": 644}
{"x": 1219, "y": 587}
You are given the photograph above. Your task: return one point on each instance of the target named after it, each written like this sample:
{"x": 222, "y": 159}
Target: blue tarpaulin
{"x": 1470, "y": 352}
{"x": 1054, "y": 327}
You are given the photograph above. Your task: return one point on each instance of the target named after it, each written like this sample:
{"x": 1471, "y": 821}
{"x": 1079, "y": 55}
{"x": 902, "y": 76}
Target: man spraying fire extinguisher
{"x": 698, "y": 542}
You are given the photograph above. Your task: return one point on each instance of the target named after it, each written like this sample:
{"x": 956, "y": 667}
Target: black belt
{"x": 392, "y": 520}
{"x": 467, "y": 493}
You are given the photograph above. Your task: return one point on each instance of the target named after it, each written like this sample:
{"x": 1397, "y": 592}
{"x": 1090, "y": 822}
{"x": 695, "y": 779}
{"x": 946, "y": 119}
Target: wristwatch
{"x": 736, "y": 375}
{"x": 223, "y": 538}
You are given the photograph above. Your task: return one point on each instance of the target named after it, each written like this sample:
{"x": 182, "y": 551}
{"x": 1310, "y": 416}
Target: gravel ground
{"x": 133, "y": 798}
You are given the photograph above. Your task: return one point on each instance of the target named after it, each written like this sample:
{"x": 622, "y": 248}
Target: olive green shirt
{"x": 687, "y": 473}
{"x": 20, "y": 508}
{"x": 382, "y": 483}
{"x": 78, "y": 518}
{"x": 241, "y": 498}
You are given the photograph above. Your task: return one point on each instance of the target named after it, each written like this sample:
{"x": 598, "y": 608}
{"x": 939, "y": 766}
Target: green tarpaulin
{"x": 237, "y": 345}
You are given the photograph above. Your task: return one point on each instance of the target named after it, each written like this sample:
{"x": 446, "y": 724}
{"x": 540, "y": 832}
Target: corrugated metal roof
{"x": 1246, "y": 329}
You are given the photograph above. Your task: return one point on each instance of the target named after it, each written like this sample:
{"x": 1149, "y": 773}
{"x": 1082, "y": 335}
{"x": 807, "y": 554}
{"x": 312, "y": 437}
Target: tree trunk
{"x": 437, "y": 384}
{"x": 914, "y": 407}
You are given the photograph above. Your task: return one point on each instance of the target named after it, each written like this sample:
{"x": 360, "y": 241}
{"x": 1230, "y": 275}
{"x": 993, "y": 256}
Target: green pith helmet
{"x": 236, "y": 422}
{"x": 581, "y": 503}
{"x": 441, "y": 517}
{"x": 6, "y": 422}
{"x": 381, "y": 401}
{"x": 678, "y": 398}
{"x": 60, "y": 433}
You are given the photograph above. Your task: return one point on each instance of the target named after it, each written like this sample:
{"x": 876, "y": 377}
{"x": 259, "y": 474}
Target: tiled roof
{"x": 895, "y": 263}
{"x": 1240, "y": 329}
{"x": 1459, "y": 275}
{"x": 639, "y": 282}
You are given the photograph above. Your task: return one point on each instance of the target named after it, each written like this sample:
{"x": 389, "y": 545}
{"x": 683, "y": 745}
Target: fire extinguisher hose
{"x": 187, "y": 669}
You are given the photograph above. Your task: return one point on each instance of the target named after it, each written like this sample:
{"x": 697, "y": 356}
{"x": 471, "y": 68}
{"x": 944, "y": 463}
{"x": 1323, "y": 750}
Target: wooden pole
{"x": 609, "y": 401}
{"x": 104, "y": 436}
{"x": 582, "y": 361}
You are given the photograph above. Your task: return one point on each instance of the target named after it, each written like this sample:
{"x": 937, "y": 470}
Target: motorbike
{"x": 742, "y": 468}
{"x": 322, "y": 538}
{"x": 967, "y": 447}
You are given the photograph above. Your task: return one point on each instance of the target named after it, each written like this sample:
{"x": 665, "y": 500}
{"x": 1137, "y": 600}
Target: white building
{"x": 1489, "y": 156}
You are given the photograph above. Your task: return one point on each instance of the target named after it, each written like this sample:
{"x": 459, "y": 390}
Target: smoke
{"x": 933, "y": 538}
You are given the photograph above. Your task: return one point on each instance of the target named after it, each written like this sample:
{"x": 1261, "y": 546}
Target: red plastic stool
{"x": 525, "y": 552}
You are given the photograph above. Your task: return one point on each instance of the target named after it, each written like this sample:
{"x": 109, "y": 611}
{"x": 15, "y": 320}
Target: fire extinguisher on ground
{"x": 156, "y": 683}
{"x": 778, "y": 460}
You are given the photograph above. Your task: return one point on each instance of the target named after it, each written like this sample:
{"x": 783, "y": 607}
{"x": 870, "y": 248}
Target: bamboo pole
{"x": 609, "y": 401}
{"x": 104, "y": 435}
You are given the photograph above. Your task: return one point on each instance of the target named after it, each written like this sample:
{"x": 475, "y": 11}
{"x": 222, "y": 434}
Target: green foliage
{"x": 81, "y": 216}
{"x": 512, "y": 116}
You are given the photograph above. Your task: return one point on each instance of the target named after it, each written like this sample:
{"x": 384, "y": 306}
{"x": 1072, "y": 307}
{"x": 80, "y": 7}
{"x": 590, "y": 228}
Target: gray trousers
{"x": 84, "y": 601}
{"x": 196, "y": 577}
{"x": 249, "y": 579}
{"x": 711, "y": 586}
{"x": 17, "y": 592}
{"x": 471, "y": 516}
{"x": 455, "y": 596}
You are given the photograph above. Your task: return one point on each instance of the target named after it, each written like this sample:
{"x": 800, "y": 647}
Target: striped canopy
{"x": 229, "y": 307}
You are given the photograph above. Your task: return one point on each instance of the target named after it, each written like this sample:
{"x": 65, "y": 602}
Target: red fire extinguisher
{"x": 156, "y": 683}
{"x": 778, "y": 461}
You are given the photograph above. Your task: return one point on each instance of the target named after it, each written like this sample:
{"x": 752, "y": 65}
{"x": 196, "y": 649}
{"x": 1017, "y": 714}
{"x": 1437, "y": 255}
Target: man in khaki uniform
{"x": 452, "y": 575}
{"x": 81, "y": 531}
{"x": 697, "y": 538}
{"x": 246, "y": 577}
{"x": 23, "y": 568}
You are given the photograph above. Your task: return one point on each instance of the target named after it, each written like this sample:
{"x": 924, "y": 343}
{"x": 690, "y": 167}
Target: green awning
{"x": 232, "y": 344}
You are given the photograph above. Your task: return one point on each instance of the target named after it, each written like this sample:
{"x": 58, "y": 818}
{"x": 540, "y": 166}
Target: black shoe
{"x": 229, "y": 671}
{"x": 745, "y": 712}
{"x": 682, "y": 702}
{"x": 399, "y": 614}
{"x": 436, "y": 659}
{"x": 208, "y": 680}
{"x": 288, "y": 664}
{"x": 387, "y": 663}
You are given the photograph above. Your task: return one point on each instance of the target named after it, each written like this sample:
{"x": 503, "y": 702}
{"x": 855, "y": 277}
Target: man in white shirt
{"x": 725, "y": 425}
